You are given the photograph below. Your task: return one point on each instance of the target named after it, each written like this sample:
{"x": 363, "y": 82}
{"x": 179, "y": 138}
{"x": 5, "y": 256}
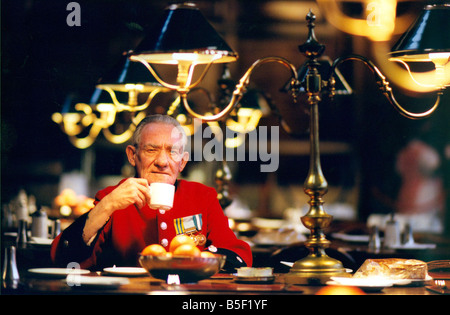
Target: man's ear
{"x": 131, "y": 154}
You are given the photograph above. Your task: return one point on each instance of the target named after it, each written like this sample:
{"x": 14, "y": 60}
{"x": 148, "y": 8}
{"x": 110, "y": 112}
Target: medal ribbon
{"x": 189, "y": 224}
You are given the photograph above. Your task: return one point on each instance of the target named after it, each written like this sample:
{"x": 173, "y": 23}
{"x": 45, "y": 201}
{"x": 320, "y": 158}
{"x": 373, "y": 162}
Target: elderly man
{"x": 121, "y": 223}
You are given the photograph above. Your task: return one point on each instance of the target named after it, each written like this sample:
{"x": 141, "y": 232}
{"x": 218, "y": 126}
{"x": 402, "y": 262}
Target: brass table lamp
{"x": 317, "y": 267}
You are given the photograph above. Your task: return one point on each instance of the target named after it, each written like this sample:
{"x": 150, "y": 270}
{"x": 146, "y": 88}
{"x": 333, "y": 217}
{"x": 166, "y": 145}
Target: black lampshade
{"x": 429, "y": 33}
{"x": 183, "y": 29}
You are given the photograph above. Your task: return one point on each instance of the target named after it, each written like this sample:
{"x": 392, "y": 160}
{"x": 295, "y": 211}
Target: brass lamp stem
{"x": 317, "y": 267}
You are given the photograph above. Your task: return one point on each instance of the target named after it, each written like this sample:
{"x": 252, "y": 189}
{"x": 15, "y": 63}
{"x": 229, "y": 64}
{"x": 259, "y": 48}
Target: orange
{"x": 187, "y": 250}
{"x": 207, "y": 255}
{"x": 180, "y": 240}
{"x": 154, "y": 250}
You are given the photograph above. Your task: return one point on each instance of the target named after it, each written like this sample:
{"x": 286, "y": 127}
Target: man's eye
{"x": 175, "y": 154}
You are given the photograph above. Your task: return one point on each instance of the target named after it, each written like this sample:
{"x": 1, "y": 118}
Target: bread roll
{"x": 393, "y": 268}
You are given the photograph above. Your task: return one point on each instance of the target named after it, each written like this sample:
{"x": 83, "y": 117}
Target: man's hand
{"x": 132, "y": 191}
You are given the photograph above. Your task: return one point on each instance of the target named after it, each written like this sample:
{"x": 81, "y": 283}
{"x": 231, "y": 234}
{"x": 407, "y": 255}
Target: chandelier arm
{"x": 384, "y": 87}
{"x": 173, "y": 106}
{"x": 416, "y": 116}
{"x": 123, "y": 107}
{"x": 186, "y": 89}
{"x": 83, "y": 143}
{"x": 153, "y": 72}
{"x": 71, "y": 129}
{"x": 113, "y": 96}
{"x": 234, "y": 101}
{"x": 117, "y": 139}
{"x": 147, "y": 102}
{"x": 73, "y": 123}
{"x": 240, "y": 89}
{"x": 127, "y": 134}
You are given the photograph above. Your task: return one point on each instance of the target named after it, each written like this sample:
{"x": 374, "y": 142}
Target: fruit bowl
{"x": 189, "y": 269}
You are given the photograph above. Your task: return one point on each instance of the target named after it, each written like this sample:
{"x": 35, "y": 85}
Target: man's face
{"x": 159, "y": 157}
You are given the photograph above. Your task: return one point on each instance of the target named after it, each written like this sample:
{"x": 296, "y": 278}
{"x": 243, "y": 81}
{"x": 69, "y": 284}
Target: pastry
{"x": 394, "y": 268}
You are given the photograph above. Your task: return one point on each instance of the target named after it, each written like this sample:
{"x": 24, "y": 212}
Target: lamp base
{"x": 315, "y": 269}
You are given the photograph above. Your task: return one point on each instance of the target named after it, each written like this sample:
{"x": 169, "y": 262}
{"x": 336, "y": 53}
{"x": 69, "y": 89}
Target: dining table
{"x": 104, "y": 283}
{"x": 36, "y": 256}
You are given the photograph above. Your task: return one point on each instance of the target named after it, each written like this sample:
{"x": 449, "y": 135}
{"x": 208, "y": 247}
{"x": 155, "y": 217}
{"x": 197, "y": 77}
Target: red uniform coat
{"x": 129, "y": 230}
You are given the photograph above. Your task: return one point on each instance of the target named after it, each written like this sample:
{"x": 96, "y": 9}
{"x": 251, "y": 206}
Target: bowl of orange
{"x": 183, "y": 259}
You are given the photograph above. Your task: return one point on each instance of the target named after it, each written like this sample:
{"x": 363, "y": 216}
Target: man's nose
{"x": 162, "y": 160}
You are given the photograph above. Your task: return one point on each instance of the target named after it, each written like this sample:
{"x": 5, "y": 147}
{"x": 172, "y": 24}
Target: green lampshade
{"x": 428, "y": 34}
{"x": 183, "y": 33}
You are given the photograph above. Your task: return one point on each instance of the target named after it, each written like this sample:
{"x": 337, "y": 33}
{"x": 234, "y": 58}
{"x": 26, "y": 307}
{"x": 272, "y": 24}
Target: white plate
{"x": 57, "y": 272}
{"x": 78, "y": 281}
{"x": 126, "y": 271}
{"x": 268, "y": 223}
{"x": 40, "y": 241}
{"x": 266, "y": 279}
{"x": 351, "y": 238}
{"x": 414, "y": 246}
{"x": 365, "y": 284}
{"x": 412, "y": 282}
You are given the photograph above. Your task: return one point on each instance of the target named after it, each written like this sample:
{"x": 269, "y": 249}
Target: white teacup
{"x": 161, "y": 196}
